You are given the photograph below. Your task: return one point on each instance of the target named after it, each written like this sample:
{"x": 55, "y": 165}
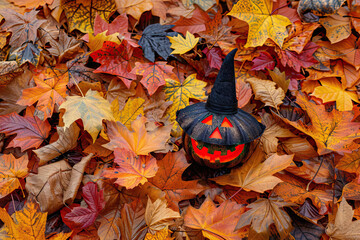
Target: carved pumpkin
{"x": 217, "y": 134}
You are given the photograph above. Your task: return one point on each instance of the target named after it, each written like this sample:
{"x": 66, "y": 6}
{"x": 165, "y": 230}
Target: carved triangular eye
{"x": 226, "y": 123}
{"x": 208, "y": 120}
{"x": 216, "y": 134}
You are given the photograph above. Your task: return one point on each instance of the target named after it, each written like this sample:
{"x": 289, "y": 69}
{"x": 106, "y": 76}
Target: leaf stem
{"x": 76, "y": 84}
{"x": 308, "y": 185}
{"x": 236, "y": 193}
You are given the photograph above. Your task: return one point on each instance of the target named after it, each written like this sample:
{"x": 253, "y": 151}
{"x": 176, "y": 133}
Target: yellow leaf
{"x": 159, "y": 235}
{"x": 96, "y": 42}
{"x": 266, "y": 92}
{"x": 11, "y": 169}
{"x": 92, "y": 109}
{"x": 332, "y": 90}
{"x": 29, "y": 222}
{"x": 179, "y": 94}
{"x": 279, "y": 78}
{"x": 133, "y": 108}
{"x": 256, "y": 175}
{"x": 134, "y": 7}
{"x": 183, "y": 45}
{"x": 262, "y": 23}
{"x": 158, "y": 215}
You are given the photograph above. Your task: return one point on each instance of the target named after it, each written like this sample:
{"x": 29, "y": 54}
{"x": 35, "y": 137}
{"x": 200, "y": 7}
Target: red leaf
{"x": 264, "y": 61}
{"x": 114, "y": 59}
{"x": 31, "y": 131}
{"x": 296, "y": 61}
{"x": 214, "y": 57}
{"x": 81, "y": 217}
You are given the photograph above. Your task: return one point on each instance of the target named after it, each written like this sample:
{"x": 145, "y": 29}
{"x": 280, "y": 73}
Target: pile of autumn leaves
{"x": 89, "y": 137}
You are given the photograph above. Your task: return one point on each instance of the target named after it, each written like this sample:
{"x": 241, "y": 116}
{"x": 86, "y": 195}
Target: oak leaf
{"x": 50, "y": 90}
{"x": 11, "y": 170}
{"x": 215, "y": 223}
{"x": 343, "y": 227}
{"x": 154, "y": 74}
{"x": 81, "y": 217}
{"x": 81, "y": 14}
{"x": 168, "y": 179}
{"x": 137, "y": 139}
{"x": 28, "y": 223}
{"x": 91, "y": 108}
{"x": 266, "y": 92}
{"x": 182, "y": 45}
{"x": 23, "y": 27}
{"x": 30, "y": 131}
{"x": 256, "y": 175}
{"x": 280, "y": 78}
{"x": 262, "y": 23}
{"x": 158, "y": 215}
{"x": 332, "y": 90}
{"x": 264, "y": 212}
{"x": 332, "y": 131}
{"x": 132, "y": 170}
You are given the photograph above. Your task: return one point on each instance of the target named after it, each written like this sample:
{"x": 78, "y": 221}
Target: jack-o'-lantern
{"x": 217, "y": 134}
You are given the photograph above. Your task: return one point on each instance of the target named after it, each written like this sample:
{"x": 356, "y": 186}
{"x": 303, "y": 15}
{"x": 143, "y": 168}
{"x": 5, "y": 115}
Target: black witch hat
{"x": 219, "y": 121}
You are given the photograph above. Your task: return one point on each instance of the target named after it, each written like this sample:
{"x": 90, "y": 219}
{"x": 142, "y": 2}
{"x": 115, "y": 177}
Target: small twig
{"x": 308, "y": 185}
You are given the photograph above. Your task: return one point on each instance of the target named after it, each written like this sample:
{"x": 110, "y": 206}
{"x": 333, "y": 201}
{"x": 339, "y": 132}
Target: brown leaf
{"x": 133, "y": 224}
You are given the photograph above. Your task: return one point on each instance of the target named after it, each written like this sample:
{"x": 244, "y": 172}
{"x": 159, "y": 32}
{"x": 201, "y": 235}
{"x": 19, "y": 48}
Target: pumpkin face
{"x": 215, "y": 156}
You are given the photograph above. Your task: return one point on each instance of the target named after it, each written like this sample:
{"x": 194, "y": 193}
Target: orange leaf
{"x": 154, "y": 74}
{"x": 332, "y": 131}
{"x": 50, "y": 90}
{"x": 11, "y": 169}
{"x": 168, "y": 179}
{"x": 137, "y": 139}
{"x": 133, "y": 170}
{"x": 216, "y": 223}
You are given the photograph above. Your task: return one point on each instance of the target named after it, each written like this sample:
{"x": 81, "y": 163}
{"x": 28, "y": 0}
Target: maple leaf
{"x": 11, "y": 169}
{"x": 23, "y": 27}
{"x": 118, "y": 90}
{"x": 266, "y": 92}
{"x": 215, "y": 222}
{"x": 9, "y": 70}
{"x": 132, "y": 223}
{"x": 65, "y": 48}
{"x": 158, "y": 216}
{"x": 154, "y": 74}
{"x": 154, "y": 40}
{"x": 133, "y": 8}
{"x": 28, "y": 52}
{"x": 95, "y": 42}
{"x": 194, "y": 24}
{"x": 137, "y": 139}
{"x": 81, "y": 14}
{"x": 114, "y": 59}
{"x": 133, "y": 108}
{"x": 92, "y": 109}
{"x": 262, "y": 23}
{"x": 350, "y": 162}
{"x": 180, "y": 93}
{"x": 256, "y": 175}
{"x": 280, "y": 79}
{"x": 67, "y": 140}
{"x": 264, "y": 212}
{"x": 264, "y": 61}
{"x": 332, "y": 131}
{"x": 168, "y": 179}
{"x": 81, "y": 217}
{"x": 332, "y": 90}
{"x": 31, "y": 131}
{"x": 133, "y": 170}
{"x": 29, "y": 223}
{"x": 213, "y": 55}
{"x": 50, "y": 90}
{"x": 182, "y": 45}
{"x": 343, "y": 227}
{"x": 204, "y": 4}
